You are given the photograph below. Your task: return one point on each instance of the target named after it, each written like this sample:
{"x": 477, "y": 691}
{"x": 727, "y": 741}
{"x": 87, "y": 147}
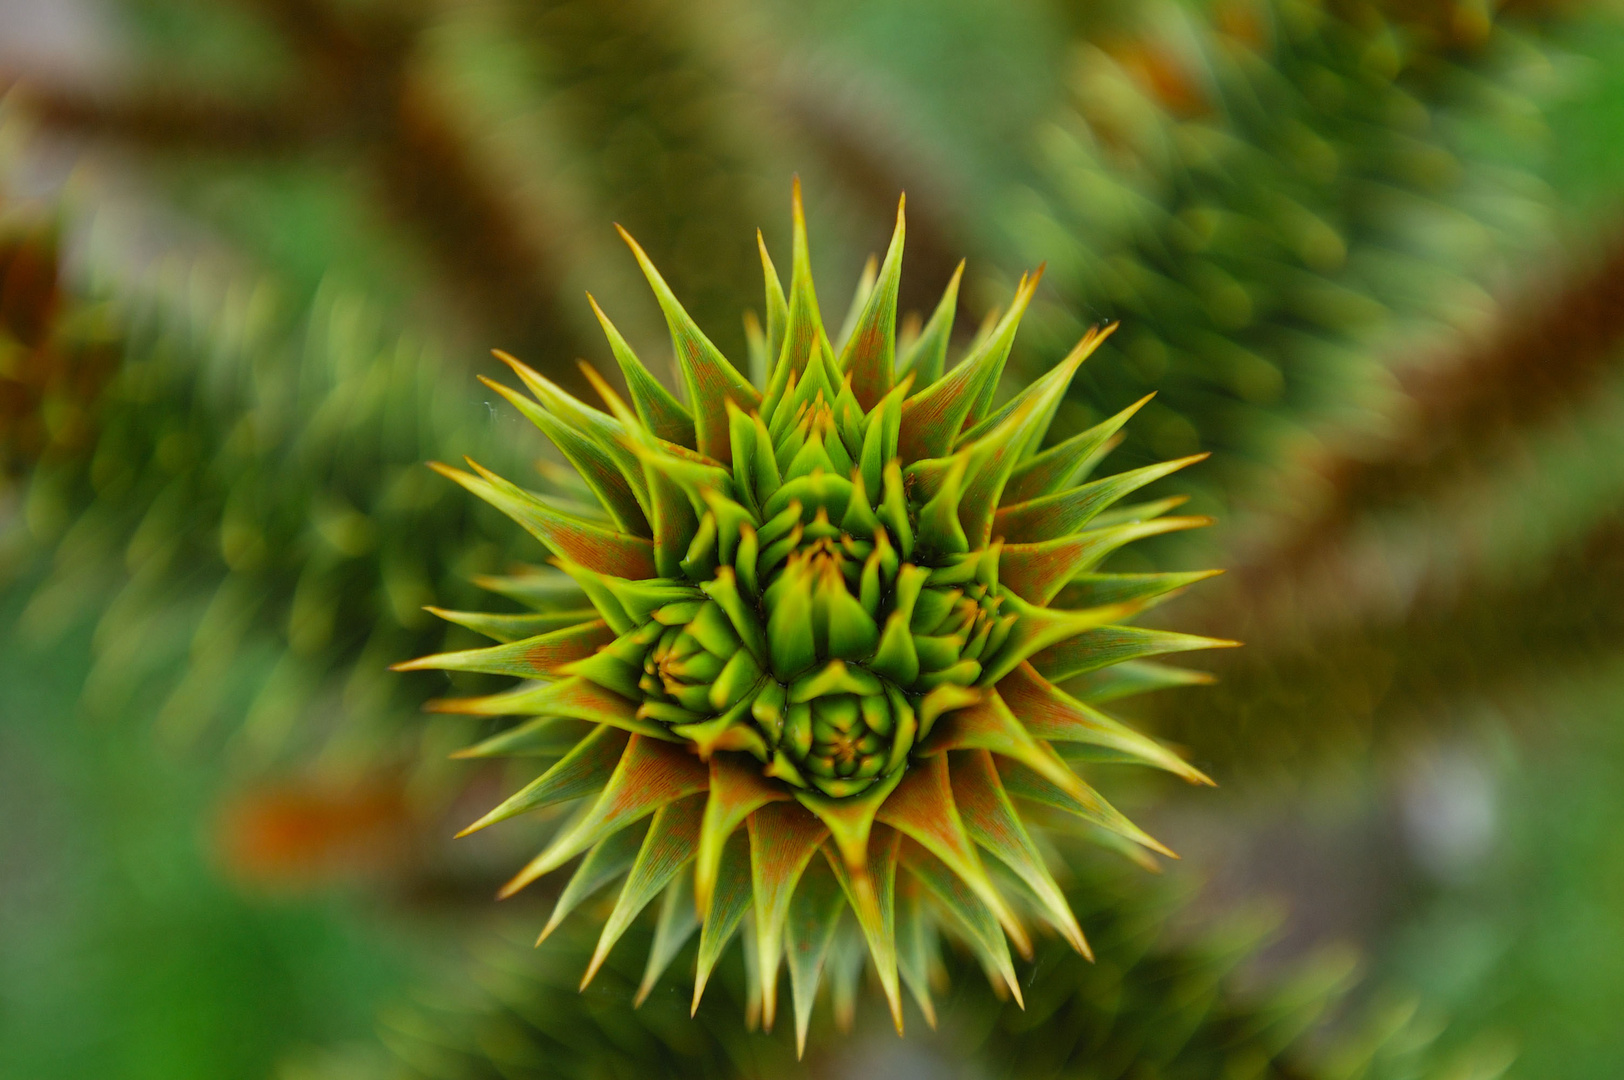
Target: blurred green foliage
{"x": 126, "y": 953}
{"x": 1155, "y": 1004}
{"x": 1529, "y": 943}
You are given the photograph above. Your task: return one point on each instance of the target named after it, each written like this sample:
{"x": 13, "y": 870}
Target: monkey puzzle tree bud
{"x": 830, "y": 611}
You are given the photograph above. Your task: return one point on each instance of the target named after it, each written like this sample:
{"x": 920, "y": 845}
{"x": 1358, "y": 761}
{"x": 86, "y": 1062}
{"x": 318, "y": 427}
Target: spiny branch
{"x": 358, "y": 91}
{"x": 1306, "y": 691}
{"x": 1543, "y": 355}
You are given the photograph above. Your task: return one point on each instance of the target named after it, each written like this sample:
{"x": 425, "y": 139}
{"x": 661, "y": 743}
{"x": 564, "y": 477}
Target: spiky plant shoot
{"x": 803, "y": 656}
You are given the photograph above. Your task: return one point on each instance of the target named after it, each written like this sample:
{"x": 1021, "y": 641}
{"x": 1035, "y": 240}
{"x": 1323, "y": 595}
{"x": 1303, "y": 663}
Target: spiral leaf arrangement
{"x": 802, "y": 655}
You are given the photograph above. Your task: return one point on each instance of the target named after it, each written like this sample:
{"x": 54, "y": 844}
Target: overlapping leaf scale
{"x": 798, "y": 675}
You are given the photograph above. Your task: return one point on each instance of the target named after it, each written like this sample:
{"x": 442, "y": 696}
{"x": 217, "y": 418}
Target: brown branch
{"x": 1306, "y": 692}
{"x": 52, "y": 376}
{"x": 164, "y": 120}
{"x": 480, "y": 240}
{"x": 1545, "y": 355}
{"x": 656, "y": 134}
{"x": 359, "y": 66}
{"x": 356, "y": 39}
{"x": 357, "y": 94}
{"x": 419, "y": 168}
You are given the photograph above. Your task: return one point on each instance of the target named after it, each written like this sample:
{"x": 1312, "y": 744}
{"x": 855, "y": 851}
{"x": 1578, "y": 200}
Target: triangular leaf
{"x": 1123, "y": 513}
{"x": 777, "y": 308}
{"x": 1037, "y": 419}
{"x": 1064, "y": 513}
{"x": 1092, "y": 590}
{"x": 1001, "y": 441}
{"x": 609, "y": 432}
{"x": 922, "y": 809}
{"x": 536, "y": 587}
{"x": 1057, "y": 467}
{"x": 737, "y": 790}
{"x": 574, "y": 697}
{"x": 586, "y": 542}
{"x": 601, "y": 596}
{"x": 916, "y": 946}
{"x": 1036, "y": 628}
{"x": 607, "y": 860}
{"x": 672, "y": 514}
{"x": 656, "y": 406}
{"x": 1133, "y": 677}
{"x": 851, "y": 820}
{"x": 677, "y": 923}
{"x": 710, "y": 378}
{"x": 667, "y": 848}
{"x": 926, "y": 358}
{"x": 591, "y": 461}
{"x": 814, "y": 920}
{"x": 804, "y": 336}
{"x": 845, "y": 972}
{"x": 992, "y": 822}
{"x": 1036, "y": 565}
{"x": 1023, "y": 783}
{"x": 783, "y": 839}
{"x": 729, "y": 900}
{"x": 869, "y": 354}
{"x": 989, "y": 725}
{"x": 506, "y": 628}
{"x": 1051, "y": 714}
{"x": 542, "y": 736}
{"x": 932, "y": 418}
{"x": 582, "y": 771}
{"x": 527, "y": 659}
{"x": 859, "y": 300}
{"x": 873, "y": 897}
{"x": 940, "y": 531}
{"x": 650, "y": 775}
{"x": 1108, "y": 645}
{"x": 982, "y": 931}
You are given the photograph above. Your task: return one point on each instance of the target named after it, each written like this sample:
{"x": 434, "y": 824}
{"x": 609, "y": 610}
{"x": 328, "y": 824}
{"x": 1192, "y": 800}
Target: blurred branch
{"x": 1377, "y": 607}
{"x": 1302, "y": 692}
{"x": 336, "y": 39}
{"x": 1382, "y": 610}
{"x": 315, "y": 543}
{"x": 357, "y": 91}
{"x": 665, "y": 141}
{"x": 476, "y": 235}
{"x": 358, "y": 69}
{"x": 50, "y": 379}
{"x": 304, "y": 832}
{"x": 166, "y": 120}
{"x": 1243, "y": 186}
{"x": 1545, "y": 353}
